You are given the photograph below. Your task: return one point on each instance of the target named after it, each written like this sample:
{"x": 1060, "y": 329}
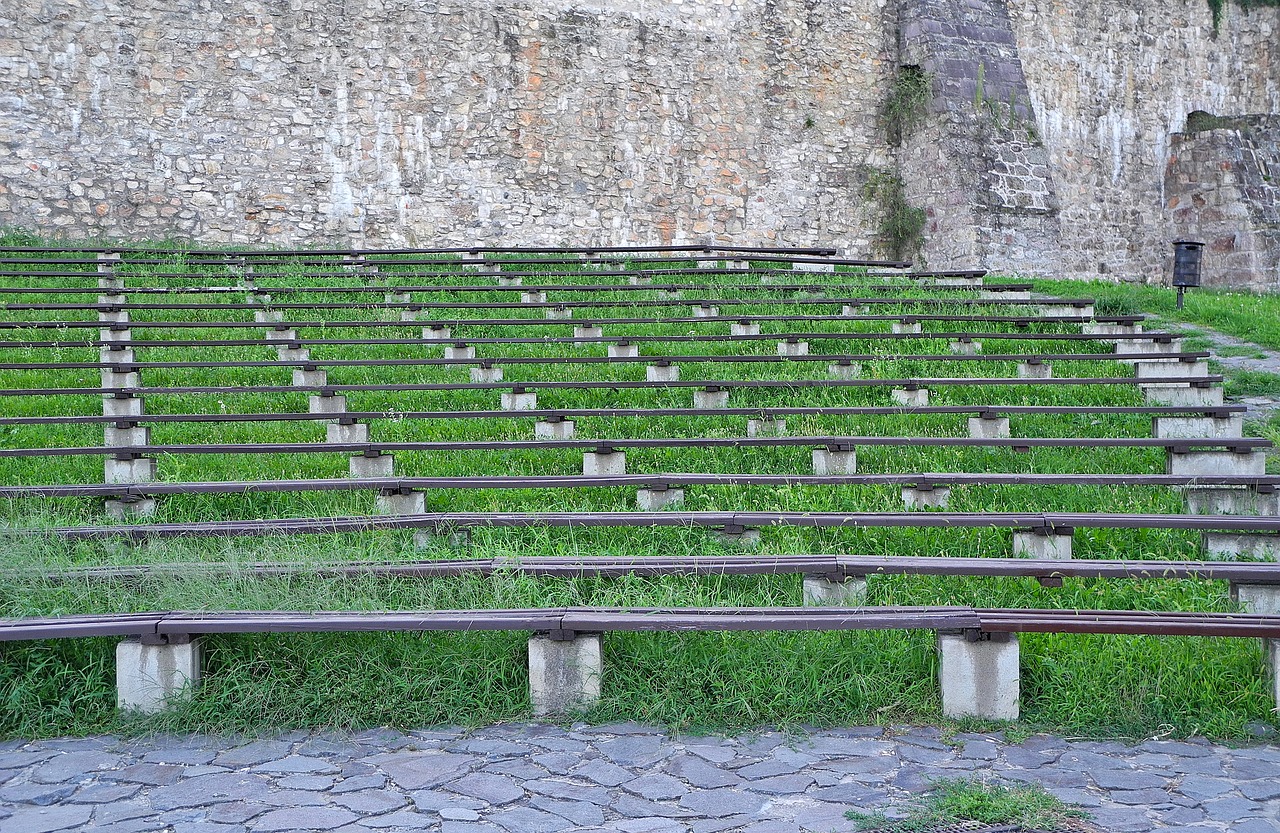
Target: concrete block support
{"x": 564, "y": 674}
{"x": 401, "y": 502}
{"x": 127, "y": 508}
{"x": 844, "y": 370}
{"x": 486, "y": 374}
{"x": 281, "y": 334}
{"x": 410, "y": 313}
{"x": 1262, "y": 546}
{"x": 793, "y": 347}
{"x": 989, "y": 427}
{"x": 1271, "y": 652}
{"x": 1191, "y": 427}
{"x": 519, "y": 400}
{"x": 116, "y": 354}
{"x": 372, "y": 464}
{"x": 744, "y": 328}
{"x": 1110, "y": 328}
{"x": 436, "y": 333}
{"x": 911, "y": 398}
{"x": 115, "y": 379}
{"x": 604, "y": 462}
{"x": 711, "y": 398}
{"x": 623, "y": 350}
{"x": 1065, "y": 311}
{"x": 504, "y": 280}
{"x": 151, "y": 676}
{"x": 1230, "y": 500}
{"x": 331, "y": 403}
{"x": 115, "y": 333}
{"x": 346, "y": 431}
{"x": 559, "y": 313}
{"x": 588, "y": 331}
{"x": 1259, "y": 599}
{"x": 129, "y": 468}
{"x": 1150, "y": 346}
{"x": 293, "y": 354}
{"x": 851, "y": 310}
{"x": 310, "y": 377}
{"x": 553, "y": 429}
{"x": 1035, "y": 369}
{"x": 657, "y": 499}
{"x": 767, "y": 427}
{"x": 926, "y": 497}
{"x": 706, "y": 311}
{"x": 268, "y": 316}
{"x": 533, "y": 296}
{"x": 122, "y": 405}
{"x": 820, "y": 591}
{"x": 640, "y": 280}
{"x": 738, "y": 536}
{"x": 1164, "y": 369}
{"x": 125, "y": 434}
{"x": 113, "y": 316}
{"x": 662, "y": 372}
{"x": 966, "y": 347}
{"x": 828, "y": 461}
{"x": 1181, "y": 395}
{"x": 396, "y": 298}
{"x": 461, "y": 350}
{"x": 457, "y": 539}
{"x": 905, "y": 327}
{"x": 1052, "y": 544}
{"x": 1246, "y": 463}
{"x": 979, "y": 676}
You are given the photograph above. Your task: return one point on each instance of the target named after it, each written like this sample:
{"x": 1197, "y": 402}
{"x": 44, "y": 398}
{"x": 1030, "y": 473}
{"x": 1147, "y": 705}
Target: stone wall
{"x": 385, "y": 122}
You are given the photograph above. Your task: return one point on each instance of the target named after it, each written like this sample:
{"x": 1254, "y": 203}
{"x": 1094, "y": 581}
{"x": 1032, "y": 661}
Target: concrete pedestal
{"x": 827, "y": 462}
{"x": 129, "y": 470}
{"x": 396, "y": 298}
{"x": 743, "y": 538}
{"x": 547, "y": 429}
{"x": 590, "y": 331}
{"x": 332, "y": 404}
{"x": 639, "y": 280}
{"x": 918, "y": 398}
{"x": 122, "y": 509}
{"x": 1271, "y": 652}
{"x": 1230, "y": 500}
{"x": 401, "y": 502}
{"x": 486, "y": 374}
{"x": 662, "y": 373}
{"x": 1066, "y": 311}
{"x": 744, "y": 328}
{"x": 354, "y": 432}
{"x": 310, "y": 378}
{"x": 1035, "y": 370}
{"x": 409, "y": 314}
{"x": 564, "y": 675}
{"x": 117, "y": 333}
{"x": 989, "y": 428}
{"x": 905, "y": 327}
{"x": 1165, "y": 369}
{"x": 525, "y": 400}
{"x": 122, "y": 405}
{"x": 706, "y": 311}
{"x": 979, "y": 678}
{"x": 655, "y": 500}
{"x": 281, "y": 334}
{"x": 604, "y": 463}
{"x": 436, "y": 333}
{"x": 851, "y": 310}
{"x": 116, "y": 437}
{"x": 120, "y": 316}
{"x": 711, "y": 399}
{"x": 533, "y": 296}
{"x": 844, "y": 370}
{"x": 293, "y": 354}
{"x": 1149, "y": 346}
{"x": 558, "y": 313}
{"x": 1259, "y": 599}
{"x": 1104, "y": 328}
{"x": 268, "y": 316}
{"x": 1184, "y": 427}
{"x": 457, "y": 539}
{"x": 510, "y": 281}
{"x": 459, "y": 351}
{"x": 1030, "y": 543}
{"x": 966, "y": 347}
{"x": 793, "y": 347}
{"x": 776, "y": 427}
{"x": 1216, "y": 463}
{"x": 622, "y": 350}
{"x": 150, "y": 677}
{"x": 935, "y": 497}
{"x": 372, "y": 464}
{"x": 1182, "y": 395}
{"x": 115, "y": 354}
{"x": 112, "y": 379}
{"x": 1260, "y": 546}
{"x": 820, "y": 591}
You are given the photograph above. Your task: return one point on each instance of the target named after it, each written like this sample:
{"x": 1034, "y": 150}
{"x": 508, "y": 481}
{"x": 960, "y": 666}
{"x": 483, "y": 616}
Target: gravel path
{"x": 537, "y": 778}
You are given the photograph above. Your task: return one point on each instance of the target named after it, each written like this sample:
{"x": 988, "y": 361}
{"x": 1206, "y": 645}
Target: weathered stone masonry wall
{"x": 377, "y": 122}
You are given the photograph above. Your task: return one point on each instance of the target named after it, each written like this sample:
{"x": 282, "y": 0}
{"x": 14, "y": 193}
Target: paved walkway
{"x": 536, "y": 778}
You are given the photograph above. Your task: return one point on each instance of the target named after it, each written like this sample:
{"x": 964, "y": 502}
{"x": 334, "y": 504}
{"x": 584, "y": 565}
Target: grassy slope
{"x": 1123, "y": 686}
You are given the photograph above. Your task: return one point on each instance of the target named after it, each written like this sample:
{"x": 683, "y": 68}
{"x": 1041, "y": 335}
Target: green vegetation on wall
{"x": 907, "y": 103}
{"x": 1217, "y": 7}
{"x": 899, "y": 225}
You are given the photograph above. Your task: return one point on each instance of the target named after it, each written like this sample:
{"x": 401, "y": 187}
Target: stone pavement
{"x": 538, "y": 778}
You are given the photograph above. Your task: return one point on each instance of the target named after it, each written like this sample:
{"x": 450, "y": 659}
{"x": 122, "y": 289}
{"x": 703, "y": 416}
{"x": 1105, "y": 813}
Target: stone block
{"x": 1262, "y": 546}
{"x": 1149, "y": 346}
{"x": 1042, "y": 544}
{"x": 979, "y": 678}
{"x": 116, "y": 437}
{"x": 744, "y": 328}
{"x": 845, "y": 370}
{"x": 740, "y": 537}
{"x": 564, "y": 674}
{"x": 588, "y": 331}
{"x": 268, "y": 316}
{"x": 966, "y": 347}
{"x": 436, "y": 333}
{"x": 1110, "y": 328}
{"x": 372, "y": 464}
{"x": 410, "y": 314}
{"x": 346, "y": 432}
{"x": 820, "y": 591}
{"x": 281, "y": 334}
{"x": 934, "y": 497}
{"x": 639, "y": 280}
{"x": 457, "y": 539}
{"x": 460, "y": 350}
{"x": 851, "y": 310}
{"x": 711, "y": 398}
{"x": 396, "y": 298}
{"x": 623, "y": 350}
{"x": 124, "y": 405}
{"x": 1163, "y": 369}
{"x": 793, "y": 347}
{"x": 706, "y": 311}
{"x": 150, "y": 677}
{"x": 828, "y": 462}
{"x": 401, "y": 502}
{"x": 1181, "y": 395}
{"x": 767, "y": 427}
{"x": 1061, "y": 310}
{"x": 1230, "y": 500}
{"x": 533, "y": 296}
{"x": 330, "y": 404}
{"x": 293, "y": 354}
{"x": 481, "y": 375}
{"x": 115, "y": 354}
{"x": 905, "y": 327}
{"x": 1271, "y": 652}
{"x": 553, "y": 429}
{"x": 655, "y": 500}
{"x": 1251, "y": 462}
{"x": 310, "y": 378}
{"x": 604, "y": 463}
{"x": 918, "y": 398}
{"x": 662, "y": 372}
{"x": 124, "y": 509}
{"x": 559, "y": 313}
{"x": 114, "y": 379}
{"x": 125, "y": 468}
{"x": 519, "y": 400}
{"x": 813, "y": 267}
{"x": 989, "y": 428}
{"x": 514, "y": 280}
{"x": 1035, "y": 369}
{"x": 1193, "y": 427}
{"x": 117, "y": 333}
{"x": 1258, "y": 599}
{"x": 117, "y": 316}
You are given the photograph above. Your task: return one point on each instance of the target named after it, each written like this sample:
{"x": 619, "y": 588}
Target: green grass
{"x": 1098, "y": 685}
{"x": 951, "y": 800}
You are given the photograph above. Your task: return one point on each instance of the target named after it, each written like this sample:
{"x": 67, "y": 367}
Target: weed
{"x": 899, "y": 225}
{"x": 952, "y": 800}
{"x": 907, "y": 103}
